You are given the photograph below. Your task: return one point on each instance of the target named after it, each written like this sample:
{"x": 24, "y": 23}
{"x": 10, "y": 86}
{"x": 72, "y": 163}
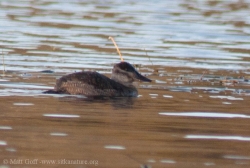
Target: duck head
{"x": 125, "y": 73}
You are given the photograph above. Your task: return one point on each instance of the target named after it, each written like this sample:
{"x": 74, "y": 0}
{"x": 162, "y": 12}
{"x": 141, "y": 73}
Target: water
{"x": 194, "y": 114}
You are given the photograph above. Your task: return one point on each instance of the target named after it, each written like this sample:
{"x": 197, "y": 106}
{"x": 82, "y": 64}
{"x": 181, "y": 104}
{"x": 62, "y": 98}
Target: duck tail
{"x": 51, "y": 92}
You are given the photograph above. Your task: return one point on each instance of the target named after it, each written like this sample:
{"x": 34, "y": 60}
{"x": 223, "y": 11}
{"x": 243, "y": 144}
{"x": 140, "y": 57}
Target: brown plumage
{"x": 94, "y": 84}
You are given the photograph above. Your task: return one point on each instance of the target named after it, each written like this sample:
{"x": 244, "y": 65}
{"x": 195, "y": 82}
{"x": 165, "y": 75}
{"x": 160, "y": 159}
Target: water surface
{"x": 195, "y": 113}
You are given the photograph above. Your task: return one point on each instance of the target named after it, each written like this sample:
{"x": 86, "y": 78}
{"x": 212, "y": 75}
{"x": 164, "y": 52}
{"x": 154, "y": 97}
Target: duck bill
{"x": 141, "y": 78}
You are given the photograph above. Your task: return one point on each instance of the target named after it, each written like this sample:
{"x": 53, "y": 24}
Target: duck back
{"x": 92, "y": 84}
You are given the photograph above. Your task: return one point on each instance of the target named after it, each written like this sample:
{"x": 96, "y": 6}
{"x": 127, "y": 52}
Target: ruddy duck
{"x": 93, "y": 84}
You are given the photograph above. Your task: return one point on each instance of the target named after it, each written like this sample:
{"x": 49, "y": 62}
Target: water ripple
{"x": 227, "y": 97}
{"x": 117, "y": 147}
{"x": 3, "y": 143}
{"x": 5, "y": 128}
{"x": 218, "y": 137}
{"x": 61, "y": 115}
{"x": 205, "y": 114}
{"x": 58, "y": 134}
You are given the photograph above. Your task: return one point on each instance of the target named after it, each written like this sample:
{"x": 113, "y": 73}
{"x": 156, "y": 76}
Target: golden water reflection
{"x": 196, "y": 122}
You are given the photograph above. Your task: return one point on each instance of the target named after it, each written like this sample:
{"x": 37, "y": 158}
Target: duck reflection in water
{"x": 93, "y": 84}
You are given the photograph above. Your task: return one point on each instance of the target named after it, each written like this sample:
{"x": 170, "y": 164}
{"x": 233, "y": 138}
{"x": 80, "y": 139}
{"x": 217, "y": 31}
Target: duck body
{"x": 94, "y": 84}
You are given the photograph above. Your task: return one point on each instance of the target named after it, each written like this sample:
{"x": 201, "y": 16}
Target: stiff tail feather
{"x": 52, "y": 92}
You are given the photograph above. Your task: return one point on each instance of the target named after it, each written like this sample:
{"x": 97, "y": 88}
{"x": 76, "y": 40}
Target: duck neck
{"x": 122, "y": 78}
{"x": 121, "y": 81}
